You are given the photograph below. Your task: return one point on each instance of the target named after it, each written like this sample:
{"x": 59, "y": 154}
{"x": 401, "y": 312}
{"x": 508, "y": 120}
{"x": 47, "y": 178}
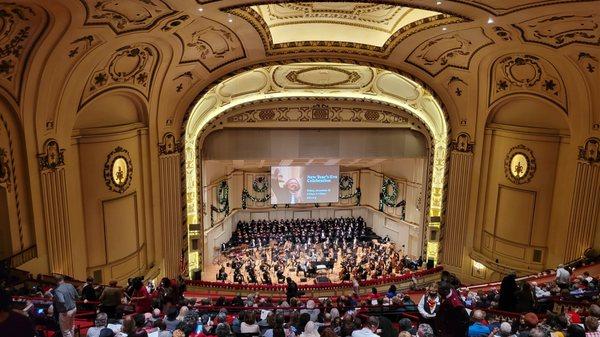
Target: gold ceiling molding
{"x": 559, "y": 30}
{"x": 209, "y": 43}
{"x": 20, "y": 28}
{"x": 348, "y": 47}
{"x": 449, "y": 50}
{"x": 132, "y": 66}
{"x": 505, "y": 7}
{"x": 380, "y": 17}
{"x": 298, "y": 110}
{"x": 126, "y": 16}
{"x": 530, "y": 74}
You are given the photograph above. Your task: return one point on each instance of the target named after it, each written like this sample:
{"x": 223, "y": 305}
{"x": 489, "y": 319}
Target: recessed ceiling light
{"x": 438, "y": 3}
{"x": 444, "y": 28}
{"x": 230, "y": 20}
{"x": 200, "y": 9}
{"x": 490, "y": 20}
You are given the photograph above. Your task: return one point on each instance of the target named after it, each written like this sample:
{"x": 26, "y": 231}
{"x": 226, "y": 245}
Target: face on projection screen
{"x": 305, "y": 184}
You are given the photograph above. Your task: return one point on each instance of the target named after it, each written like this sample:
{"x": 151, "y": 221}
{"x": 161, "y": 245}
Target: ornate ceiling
{"x": 358, "y": 22}
{"x": 61, "y": 58}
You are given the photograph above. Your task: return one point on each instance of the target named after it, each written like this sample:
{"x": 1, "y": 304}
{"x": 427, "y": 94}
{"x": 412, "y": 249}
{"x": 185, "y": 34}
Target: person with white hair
{"x": 100, "y": 323}
{"x": 334, "y": 313}
{"x": 425, "y": 330}
{"x": 537, "y": 332}
{"x": 505, "y": 330}
{"x": 311, "y": 310}
{"x": 310, "y": 330}
{"x": 478, "y": 328}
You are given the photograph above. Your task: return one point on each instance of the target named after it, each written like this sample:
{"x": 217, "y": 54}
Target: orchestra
{"x": 307, "y": 248}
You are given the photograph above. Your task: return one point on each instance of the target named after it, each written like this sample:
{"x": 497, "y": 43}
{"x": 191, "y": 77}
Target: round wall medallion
{"x": 519, "y": 165}
{"x": 118, "y": 170}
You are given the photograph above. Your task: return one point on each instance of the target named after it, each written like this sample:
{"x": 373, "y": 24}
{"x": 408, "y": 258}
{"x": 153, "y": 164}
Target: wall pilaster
{"x": 459, "y": 185}
{"x": 56, "y": 210}
{"x": 585, "y": 207}
{"x": 171, "y": 212}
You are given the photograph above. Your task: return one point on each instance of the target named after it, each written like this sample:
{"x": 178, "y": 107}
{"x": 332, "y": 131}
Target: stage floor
{"x": 210, "y": 272}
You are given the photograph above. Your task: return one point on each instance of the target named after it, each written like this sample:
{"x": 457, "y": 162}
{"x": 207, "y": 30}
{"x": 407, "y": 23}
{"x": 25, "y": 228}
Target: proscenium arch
{"x": 301, "y": 80}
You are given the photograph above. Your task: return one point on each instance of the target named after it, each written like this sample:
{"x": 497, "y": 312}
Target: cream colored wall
{"x": 119, "y": 234}
{"x": 517, "y": 217}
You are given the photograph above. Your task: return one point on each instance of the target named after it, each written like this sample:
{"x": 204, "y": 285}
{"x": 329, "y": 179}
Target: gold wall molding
{"x": 459, "y": 188}
{"x": 585, "y": 208}
{"x": 173, "y": 225}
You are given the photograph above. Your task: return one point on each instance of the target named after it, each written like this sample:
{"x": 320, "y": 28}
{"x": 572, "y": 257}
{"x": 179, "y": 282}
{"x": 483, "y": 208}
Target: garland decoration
{"x": 223, "y": 201}
{"x": 356, "y": 195}
{"x": 246, "y": 195}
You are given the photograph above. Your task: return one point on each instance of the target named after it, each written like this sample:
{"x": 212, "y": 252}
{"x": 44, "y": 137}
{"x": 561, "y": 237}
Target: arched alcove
{"x": 114, "y": 109}
{"x": 525, "y": 149}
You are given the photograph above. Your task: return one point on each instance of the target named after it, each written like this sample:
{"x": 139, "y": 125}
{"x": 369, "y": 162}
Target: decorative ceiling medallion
{"x": 53, "y": 156}
{"x": 450, "y": 50}
{"x": 521, "y": 73}
{"x": 313, "y": 76}
{"x": 209, "y": 43}
{"x": 590, "y": 152}
{"x": 131, "y": 66}
{"x": 124, "y": 16}
{"x": 322, "y": 76}
{"x": 519, "y": 165}
{"x": 20, "y": 28}
{"x": 281, "y": 35}
{"x": 118, "y": 170}
{"x": 559, "y": 30}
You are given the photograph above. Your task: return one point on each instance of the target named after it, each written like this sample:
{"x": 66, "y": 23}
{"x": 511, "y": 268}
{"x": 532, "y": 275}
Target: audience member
{"x": 100, "y": 323}
{"x": 479, "y": 327}
{"x": 110, "y": 298}
{"x": 452, "y": 319}
{"x": 12, "y": 323}
{"x": 369, "y": 328}
{"x": 64, "y": 299}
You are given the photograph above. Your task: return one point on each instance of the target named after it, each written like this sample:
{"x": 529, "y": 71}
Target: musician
{"x": 266, "y": 278}
{"x": 222, "y": 275}
{"x": 238, "y": 277}
{"x": 280, "y": 276}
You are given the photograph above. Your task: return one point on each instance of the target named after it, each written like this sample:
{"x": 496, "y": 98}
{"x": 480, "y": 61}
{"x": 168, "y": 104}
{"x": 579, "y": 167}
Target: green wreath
{"x": 346, "y": 183}
{"x": 387, "y": 197}
{"x": 260, "y": 184}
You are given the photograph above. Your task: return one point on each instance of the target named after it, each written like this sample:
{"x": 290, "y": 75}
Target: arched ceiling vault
{"x": 169, "y": 51}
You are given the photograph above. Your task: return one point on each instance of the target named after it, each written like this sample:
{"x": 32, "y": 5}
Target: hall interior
{"x": 136, "y": 135}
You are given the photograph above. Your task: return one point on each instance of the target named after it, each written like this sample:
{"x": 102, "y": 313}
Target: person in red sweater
{"x": 452, "y": 319}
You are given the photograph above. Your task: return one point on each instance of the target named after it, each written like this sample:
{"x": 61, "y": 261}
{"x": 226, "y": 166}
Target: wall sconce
{"x": 477, "y": 265}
